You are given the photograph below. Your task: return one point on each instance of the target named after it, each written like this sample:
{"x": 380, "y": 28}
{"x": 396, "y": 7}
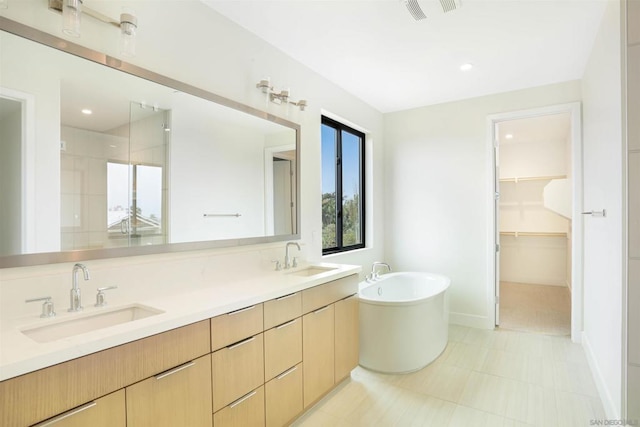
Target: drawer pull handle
{"x": 284, "y": 325}
{"x": 242, "y": 310}
{"x": 285, "y": 373}
{"x": 242, "y": 399}
{"x": 174, "y": 370}
{"x": 66, "y": 414}
{"x": 243, "y": 342}
{"x": 286, "y": 296}
{"x": 320, "y": 310}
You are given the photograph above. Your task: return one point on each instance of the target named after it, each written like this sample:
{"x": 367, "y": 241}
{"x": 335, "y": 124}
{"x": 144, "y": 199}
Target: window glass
{"x": 342, "y": 187}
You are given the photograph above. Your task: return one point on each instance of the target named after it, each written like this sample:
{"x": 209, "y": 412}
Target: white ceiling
{"x": 375, "y": 50}
{"x": 543, "y": 129}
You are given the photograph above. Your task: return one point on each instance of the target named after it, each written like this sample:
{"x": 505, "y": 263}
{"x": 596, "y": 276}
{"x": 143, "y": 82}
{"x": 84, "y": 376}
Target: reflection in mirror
{"x": 94, "y": 159}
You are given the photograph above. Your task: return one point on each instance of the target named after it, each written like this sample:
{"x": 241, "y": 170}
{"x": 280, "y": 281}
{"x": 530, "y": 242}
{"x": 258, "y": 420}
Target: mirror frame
{"x": 65, "y": 46}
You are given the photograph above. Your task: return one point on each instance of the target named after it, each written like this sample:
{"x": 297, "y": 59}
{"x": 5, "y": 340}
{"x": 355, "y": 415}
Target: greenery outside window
{"x": 342, "y": 187}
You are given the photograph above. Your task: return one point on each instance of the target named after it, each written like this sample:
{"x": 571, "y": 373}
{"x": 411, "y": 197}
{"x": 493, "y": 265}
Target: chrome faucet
{"x": 287, "y": 261}
{"x": 75, "y": 294}
{"x": 374, "y": 274}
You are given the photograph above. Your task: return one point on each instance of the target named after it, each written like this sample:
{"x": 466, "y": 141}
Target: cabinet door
{"x": 318, "y": 353}
{"x": 347, "y": 336}
{"x": 108, "y": 411}
{"x": 178, "y": 397}
{"x": 248, "y": 411}
{"x": 284, "y": 397}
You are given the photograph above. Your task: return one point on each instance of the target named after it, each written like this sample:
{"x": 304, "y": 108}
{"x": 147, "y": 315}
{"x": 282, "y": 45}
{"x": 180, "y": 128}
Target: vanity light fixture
{"x": 72, "y": 11}
{"x": 86, "y": 111}
{"x": 281, "y": 97}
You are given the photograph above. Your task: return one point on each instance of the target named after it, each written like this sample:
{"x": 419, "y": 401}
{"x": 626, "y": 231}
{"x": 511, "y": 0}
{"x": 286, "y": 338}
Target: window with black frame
{"x": 342, "y": 187}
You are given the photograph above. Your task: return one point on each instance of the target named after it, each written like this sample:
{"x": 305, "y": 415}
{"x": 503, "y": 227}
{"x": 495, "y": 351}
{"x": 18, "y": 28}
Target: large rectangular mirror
{"x": 99, "y": 159}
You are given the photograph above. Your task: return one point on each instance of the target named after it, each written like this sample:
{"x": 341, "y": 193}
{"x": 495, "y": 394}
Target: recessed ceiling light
{"x": 87, "y": 111}
{"x": 508, "y": 136}
{"x": 466, "y": 67}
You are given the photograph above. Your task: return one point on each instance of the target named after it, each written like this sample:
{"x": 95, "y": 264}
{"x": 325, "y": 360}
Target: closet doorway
{"x": 536, "y": 166}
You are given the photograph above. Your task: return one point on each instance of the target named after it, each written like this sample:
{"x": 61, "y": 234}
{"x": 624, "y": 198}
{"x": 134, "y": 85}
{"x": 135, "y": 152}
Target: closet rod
{"x": 532, "y": 233}
{"x": 533, "y": 178}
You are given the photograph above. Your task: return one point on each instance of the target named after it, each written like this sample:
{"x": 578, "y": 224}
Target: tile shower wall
{"x": 83, "y": 185}
{"x": 83, "y": 182}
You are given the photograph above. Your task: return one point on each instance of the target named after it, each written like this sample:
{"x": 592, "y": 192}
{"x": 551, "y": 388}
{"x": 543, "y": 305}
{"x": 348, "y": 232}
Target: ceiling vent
{"x": 422, "y": 9}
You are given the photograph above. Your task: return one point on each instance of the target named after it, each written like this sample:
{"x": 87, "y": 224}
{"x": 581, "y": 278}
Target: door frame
{"x": 269, "y": 154}
{"x": 575, "y": 109}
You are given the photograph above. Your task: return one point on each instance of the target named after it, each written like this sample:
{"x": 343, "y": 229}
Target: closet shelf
{"x": 532, "y": 233}
{"x": 518, "y": 179}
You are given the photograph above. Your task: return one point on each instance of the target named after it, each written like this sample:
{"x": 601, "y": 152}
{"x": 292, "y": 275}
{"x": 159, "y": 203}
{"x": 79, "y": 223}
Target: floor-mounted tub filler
{"x": 404, "y": 321}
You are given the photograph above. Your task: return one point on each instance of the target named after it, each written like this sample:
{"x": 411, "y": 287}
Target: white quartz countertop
{"x": 20, "y": 354}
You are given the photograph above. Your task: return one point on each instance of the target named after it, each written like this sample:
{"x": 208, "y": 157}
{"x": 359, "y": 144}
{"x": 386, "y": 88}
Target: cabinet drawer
{"x": 235, "y": 326}
{"x": 248, "y": 410}
{"x": 108, "y": 411}
{"x": 282, "y": 347}
{"x": 179, "y": 396}
{"x": 237, "y": 369}
{"x": 321, "y": 295}
{"x": 283, "y": 397}
{"x": 280, "y": 310}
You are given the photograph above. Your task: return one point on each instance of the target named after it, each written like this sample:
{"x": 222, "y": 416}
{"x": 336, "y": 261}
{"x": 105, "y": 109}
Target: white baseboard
{"x": 610, "y": 409}
{"x": 470, "y": 320}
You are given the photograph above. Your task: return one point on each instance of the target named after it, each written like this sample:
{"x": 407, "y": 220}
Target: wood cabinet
{"x": 237, "y": 369}
{"x": 108, "y": 411}
{"x": 235, "y": 326}
{"x": 45, "y": 393}
{"x": 282, "y": 348}
{"x": 179, "y": 396}
{"x": 244, "y": 412}
{"x": 346, "y": 336}
{"x": 261, "y": 365}
{"x": 283, "y": 397}
{"x": 280, "y": 310}
{"x": 318, "y": 353}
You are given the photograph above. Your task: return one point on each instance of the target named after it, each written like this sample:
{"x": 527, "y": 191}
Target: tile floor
{"x": 535, "y": 308}
{"x": 483, "y": 378}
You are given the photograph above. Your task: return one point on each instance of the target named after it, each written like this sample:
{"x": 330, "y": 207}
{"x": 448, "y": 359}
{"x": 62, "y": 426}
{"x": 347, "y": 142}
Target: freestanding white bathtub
{"x": 404, "y": 321}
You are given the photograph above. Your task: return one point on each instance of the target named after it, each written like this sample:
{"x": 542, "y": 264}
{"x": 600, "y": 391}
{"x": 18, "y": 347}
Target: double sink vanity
{"x": 255, "y": 352}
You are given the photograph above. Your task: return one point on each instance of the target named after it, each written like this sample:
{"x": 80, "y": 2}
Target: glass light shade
{"x": 71, "y": 16}
{"x": 128, "y": 28}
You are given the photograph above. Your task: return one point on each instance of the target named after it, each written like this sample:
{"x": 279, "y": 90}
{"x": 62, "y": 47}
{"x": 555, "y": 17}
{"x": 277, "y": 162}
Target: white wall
{"x": 10, "y": 179}
{"x": 633, "y": 214}
{"x": 188, "y": 41}
{"x": 216, "y": 168}
{"x": 31, "y": 78}
{"x": 443, "y": 223}
{"x": 603, "y": 160}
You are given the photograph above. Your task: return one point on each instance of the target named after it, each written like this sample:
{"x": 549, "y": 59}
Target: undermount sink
{"x": 312, "y": 271}
{"x": 81, "y": 323}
